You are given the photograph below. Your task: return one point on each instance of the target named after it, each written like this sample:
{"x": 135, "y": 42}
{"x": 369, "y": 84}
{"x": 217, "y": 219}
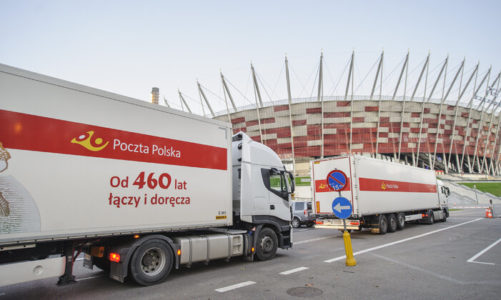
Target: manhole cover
{"x": 304, "y": 292}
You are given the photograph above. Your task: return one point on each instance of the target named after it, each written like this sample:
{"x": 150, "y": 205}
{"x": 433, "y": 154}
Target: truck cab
{"x": 443, "y": 196}
{"x": 264, "y": 202}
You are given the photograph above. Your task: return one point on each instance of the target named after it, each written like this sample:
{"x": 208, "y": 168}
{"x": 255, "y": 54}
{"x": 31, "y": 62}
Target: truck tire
{"x": 267, "y": 243}
{"x": 400, "y": 221}
{"x": 431, "y": 218}
{"x": 392, "y": 223}
{"x": 151, "y": 262}
{"x": 296, "y": 223}
{"x": 383, "y": 224}
{"x": 445, "y": 216}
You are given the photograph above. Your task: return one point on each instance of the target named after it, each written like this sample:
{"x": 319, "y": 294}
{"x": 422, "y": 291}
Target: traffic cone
{"x": 488, "y": 213}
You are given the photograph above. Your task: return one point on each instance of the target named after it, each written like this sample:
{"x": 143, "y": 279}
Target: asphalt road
{"x": 458, "y": 259}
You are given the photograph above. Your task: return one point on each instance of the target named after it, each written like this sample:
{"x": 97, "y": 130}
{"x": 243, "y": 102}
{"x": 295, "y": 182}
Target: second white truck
{"x": 383, "y": 195}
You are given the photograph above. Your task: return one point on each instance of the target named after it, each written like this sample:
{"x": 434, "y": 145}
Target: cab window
{"x": 274, "y": 181}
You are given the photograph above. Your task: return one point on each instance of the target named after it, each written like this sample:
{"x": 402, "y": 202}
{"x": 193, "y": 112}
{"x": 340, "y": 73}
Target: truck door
{"x": 280, "y": 185}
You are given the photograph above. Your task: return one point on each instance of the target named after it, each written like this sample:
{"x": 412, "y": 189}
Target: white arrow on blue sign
{"x": 341, "y": 207}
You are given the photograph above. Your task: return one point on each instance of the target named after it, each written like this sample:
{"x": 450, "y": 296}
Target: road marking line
{"x": 472, "y": 259}
{"x": 418, "y": 269}
{"x": 314, "y": 240}
{"x": 293, "y": 270}
{"x": 401, "y": 241}
{"x": 235, "y": 286}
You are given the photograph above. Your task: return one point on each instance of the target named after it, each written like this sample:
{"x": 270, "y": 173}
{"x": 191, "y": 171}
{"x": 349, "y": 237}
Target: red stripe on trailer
{"x": 381, "y": 185}
{"x": 42, "y": 134}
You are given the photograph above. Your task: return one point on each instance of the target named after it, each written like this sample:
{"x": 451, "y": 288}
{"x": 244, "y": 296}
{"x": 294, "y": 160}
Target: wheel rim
{"x": 384, "y": 225}
{"x": 267, "y": 244}
{"x": 393, "y": 223}
{"x": 401, "y": 220}
{"x": 153, "y": 261}
{"x": 295, "y": 223}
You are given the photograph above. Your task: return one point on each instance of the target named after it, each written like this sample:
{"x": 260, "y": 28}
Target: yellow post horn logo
{"x": 383, "y": 186}
{"x": 85, "y": 140}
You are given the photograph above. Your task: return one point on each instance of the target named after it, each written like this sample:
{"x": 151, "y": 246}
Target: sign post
{"x": 342, "y": 209}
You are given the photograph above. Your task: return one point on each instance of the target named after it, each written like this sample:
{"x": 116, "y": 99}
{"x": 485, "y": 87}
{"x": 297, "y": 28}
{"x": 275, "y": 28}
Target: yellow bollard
{"x": 350, "y": 260}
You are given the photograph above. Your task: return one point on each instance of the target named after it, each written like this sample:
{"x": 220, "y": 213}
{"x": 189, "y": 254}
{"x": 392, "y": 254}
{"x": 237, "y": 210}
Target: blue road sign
{"x": 341, "y": 207}
{"x": 336, "y": 180}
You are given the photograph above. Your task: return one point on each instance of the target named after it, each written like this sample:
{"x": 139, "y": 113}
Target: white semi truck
{"x": 138, "y": 188}
{"x": 383, "y": 195}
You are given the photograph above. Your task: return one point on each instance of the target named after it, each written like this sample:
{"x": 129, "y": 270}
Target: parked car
{"x": 302, "y": 214}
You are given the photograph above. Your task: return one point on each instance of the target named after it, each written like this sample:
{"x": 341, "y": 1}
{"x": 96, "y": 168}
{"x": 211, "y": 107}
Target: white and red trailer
{"x": 383, "y": 194}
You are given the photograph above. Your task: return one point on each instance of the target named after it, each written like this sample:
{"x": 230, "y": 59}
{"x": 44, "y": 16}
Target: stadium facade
{"x": 459, "y": 134}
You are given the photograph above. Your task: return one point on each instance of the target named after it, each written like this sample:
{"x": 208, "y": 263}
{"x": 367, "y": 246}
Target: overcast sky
{"x": 127, "y": 47}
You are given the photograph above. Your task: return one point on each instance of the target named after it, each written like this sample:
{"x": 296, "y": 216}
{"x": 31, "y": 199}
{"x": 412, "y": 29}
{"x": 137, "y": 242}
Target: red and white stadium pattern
{"x": 363, "y": 115}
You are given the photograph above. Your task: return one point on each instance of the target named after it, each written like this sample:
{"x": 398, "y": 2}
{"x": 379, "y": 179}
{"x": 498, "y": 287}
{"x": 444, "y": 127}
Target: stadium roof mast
{"x": 489, "y": 130}
{"x": 350, "y": 78}
{"x": 470, "y": 107}
{"x": 444, "y": 67}
{"x": 289, "y": 95}
{"x": 227, "y": 91}
{"x": 460, "y": 96}
{"x": 183, "y": 101}
{"x": 205, "y": 98}
{"x": 225, "y": 87}
{"x": 405, "y": 68}
{"x": 320, "y": 98}
{"x": 480, "y": 124}
{"x": 415, "y": 160}
{"x": 257, "y": 95}
{"x": 379, "y": 70}
{"x": 444, "y": 97}
{"x": 166, "y": 102}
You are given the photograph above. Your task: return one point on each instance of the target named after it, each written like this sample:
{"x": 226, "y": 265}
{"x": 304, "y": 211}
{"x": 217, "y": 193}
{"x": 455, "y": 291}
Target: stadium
{"x": 443, "y": 118}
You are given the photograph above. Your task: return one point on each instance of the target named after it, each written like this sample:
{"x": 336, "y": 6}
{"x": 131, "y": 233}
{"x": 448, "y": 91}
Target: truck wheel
{"x": 295, "y": 223}
{"x": 383, "y": 224}
{"x": 400, "y": 221}
{"x": 445, "y": 216}
{"x": 267, "y": 244}
{"x": 392, "y": 223}
{"x": 151, "y": 263}
{"x": 431, "y": 218}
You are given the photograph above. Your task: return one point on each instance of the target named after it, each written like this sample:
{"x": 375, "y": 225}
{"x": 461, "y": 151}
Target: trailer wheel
{"x": 295, "y": 223}
{"x": 383, "y": 224}
{"x": 400, "y": 221}
{"x": 267, "y": 244}
{"x": 151, "y": 263}
{"x": 392, "y": 223}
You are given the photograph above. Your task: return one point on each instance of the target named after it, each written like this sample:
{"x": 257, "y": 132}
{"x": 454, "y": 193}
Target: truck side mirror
{"x": 293, "y": 183}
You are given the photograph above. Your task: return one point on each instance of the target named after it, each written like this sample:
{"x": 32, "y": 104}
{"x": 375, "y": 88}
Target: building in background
{"x": 453, "y": 126}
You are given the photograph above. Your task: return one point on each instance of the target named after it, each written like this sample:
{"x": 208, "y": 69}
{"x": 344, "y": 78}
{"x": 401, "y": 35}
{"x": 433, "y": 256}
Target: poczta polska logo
{"x": 85, "y": 140}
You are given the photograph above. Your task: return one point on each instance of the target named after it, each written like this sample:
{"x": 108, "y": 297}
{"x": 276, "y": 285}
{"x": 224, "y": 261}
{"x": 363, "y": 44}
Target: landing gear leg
{"x": 67, "y": 277}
